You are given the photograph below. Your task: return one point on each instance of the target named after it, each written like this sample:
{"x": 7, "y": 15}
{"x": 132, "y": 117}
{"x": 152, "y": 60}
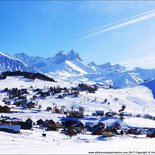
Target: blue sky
{"x": 101, "y": 31}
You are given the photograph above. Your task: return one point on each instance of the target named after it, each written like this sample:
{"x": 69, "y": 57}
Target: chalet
{"x": 51, "y": 125}
{"x": 149, "y": 116}
{"x": 68, "y": 123}
{"x": 89, "y": 88}
{"x": 28, "y": 105}
{"x": 4, "y": 109}
{"x": 60, "y": 97}
{"x": 110, "y": 114}
{"x": 5, "y": 90}
{"x": 20, "y": 102}
{"x": 107, "y": 133}
{"x": 134, "y": 131}
{"x": 114, "y": 130}
{"x": 70, "y": 131}
{"x": 29, "y": 120}
{"x": 43, "y": 94}
{"x": 79, "y": 126}
{"x": 98, "y": 113}
{"x": 98, "y": 129}
{"x": 58, "y": 125}
{"x": 10, "y": 128}
{"x": 23, "y": 125}
{"x": 40, "y": 122}
{"x": 31, "y": 105}
{"x": 125, "y": 114}
{"x": 121, "y": 132}
{"x": 56, "y": 110}
{"x": 48, "y": 109}
{"x": 76, "y": 113}
{"x": 116, "y": 126}
{"x": 37, "y": 90}
{"x": 92, "y": 127}
{"x": 151, "y": 133}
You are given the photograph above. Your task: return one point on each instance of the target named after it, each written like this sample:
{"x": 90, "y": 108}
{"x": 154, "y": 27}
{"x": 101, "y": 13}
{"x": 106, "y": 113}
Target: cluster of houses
{"x": 71, "y": 123}
{"x": 13, "y": 125}
{"x": 18, "y": 97}
{"x": 71, "y": 127}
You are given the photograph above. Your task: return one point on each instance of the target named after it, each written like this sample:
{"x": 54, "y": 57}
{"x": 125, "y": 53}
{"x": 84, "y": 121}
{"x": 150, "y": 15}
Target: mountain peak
{"x": 106, "y": 65}
{"x": 72, "y": 55}
{"x": 59, "y": 57}
{"x": 92, "y": 63}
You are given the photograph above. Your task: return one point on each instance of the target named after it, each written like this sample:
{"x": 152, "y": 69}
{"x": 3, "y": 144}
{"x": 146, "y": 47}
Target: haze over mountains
{"x": 71, "y": 67}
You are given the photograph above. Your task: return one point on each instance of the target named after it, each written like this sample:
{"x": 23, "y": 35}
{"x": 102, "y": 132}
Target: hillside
{"x": 151, "y": 85}
{"x": 27, "y": 75}
{"x": 8, "y": 63}
{"x": 138, "y": 102}
{"x": 70, "y": 62}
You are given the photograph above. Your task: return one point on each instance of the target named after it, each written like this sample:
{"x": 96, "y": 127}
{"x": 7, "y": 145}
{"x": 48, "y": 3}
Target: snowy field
{"x": 138, "y": 100}
{"x": 57, "y": 143}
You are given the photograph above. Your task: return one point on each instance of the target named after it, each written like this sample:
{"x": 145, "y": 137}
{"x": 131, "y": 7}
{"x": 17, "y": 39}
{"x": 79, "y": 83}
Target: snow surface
{"x": 136, "y": 100}
{"x": 32, "y": 142}
{"x": 71, "y": 64}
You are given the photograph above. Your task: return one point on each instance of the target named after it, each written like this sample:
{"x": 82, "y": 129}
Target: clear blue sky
{"x": 114, "y": 31}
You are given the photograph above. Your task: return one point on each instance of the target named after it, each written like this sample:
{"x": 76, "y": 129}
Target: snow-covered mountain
{"x": 8, "y": 63}
{"x": 70, "y": 62}
{"x": 69, "y": 67}
{"x": 106, "y": 68}
{"x": 116, "y": 79}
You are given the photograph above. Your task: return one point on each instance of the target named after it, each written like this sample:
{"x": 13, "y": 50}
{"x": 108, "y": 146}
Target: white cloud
{"x": 135, "y": 19}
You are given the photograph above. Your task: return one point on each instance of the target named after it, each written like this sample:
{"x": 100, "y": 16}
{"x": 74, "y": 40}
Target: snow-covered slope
{"x": 70, "y": 67}
{"x": 116, "y": 79}
{"x": 138, "y": 100}
{"x": 135, "y": 98}
{"x": 144, "y": 74}
{"x": 151, "y": 85}
{"x": 106, "y": 68}
{"x": 8, "y": 63}
{"x": 70, "y": 62}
